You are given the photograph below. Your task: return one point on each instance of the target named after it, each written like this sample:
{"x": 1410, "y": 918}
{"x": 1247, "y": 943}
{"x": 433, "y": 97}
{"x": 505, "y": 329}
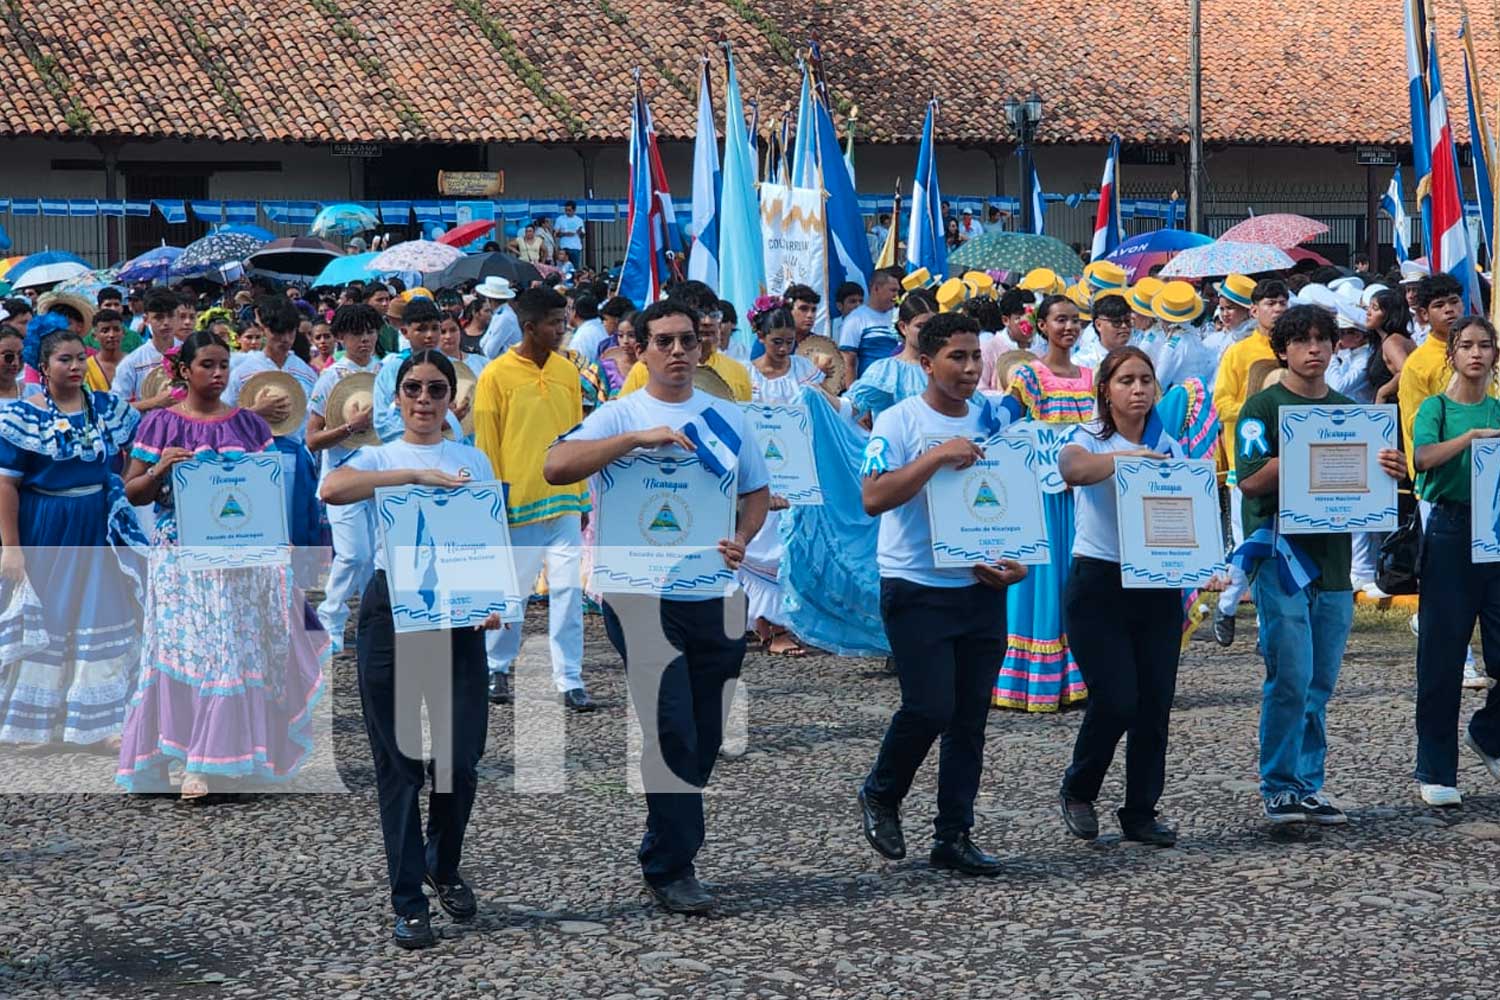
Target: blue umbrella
{"x": 46, "y": 268}
{"x": 152, "y": 265}
{"x": 4, "y": 239}
{"x": 247, "y": 229}
{"x": 345, "y": 217}
{"x": 343, "y": 270}
{"x": 1139, "y": 254}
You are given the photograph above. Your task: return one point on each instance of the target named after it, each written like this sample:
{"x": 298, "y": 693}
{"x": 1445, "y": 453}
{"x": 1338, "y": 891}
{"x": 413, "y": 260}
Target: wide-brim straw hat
{"x": 72, "y": 300}
{"x": 276, "y": 382}
{"x": 354, "y": 391}
{"x": 814, "y": 347}
{"x": 467, "y": 383}
{"x": 1177, "y": 302}
{"x": 712, "y": 383}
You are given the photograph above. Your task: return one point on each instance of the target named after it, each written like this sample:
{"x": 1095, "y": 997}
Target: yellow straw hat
{"x": 1177, "y": 302}
{"x": 951, "y": 294}
{"x": 1141, "y": 293}
{"x": 1237, "y": 288}
{"x": 1043, "y": 281}
{"x": 1079, "y": 295}
{"x": 979, "y": 284}
{"x": 1102, "y": 274}
{"x": 920, "y": 278}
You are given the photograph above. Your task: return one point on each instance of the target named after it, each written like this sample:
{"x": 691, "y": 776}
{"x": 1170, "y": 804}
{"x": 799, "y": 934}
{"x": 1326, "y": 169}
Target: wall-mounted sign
{"x": 471, "y": 183}
{"x": 360, "y": 150}
{"x": 1374, "y": 156}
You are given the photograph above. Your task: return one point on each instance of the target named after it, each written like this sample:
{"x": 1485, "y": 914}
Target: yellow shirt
{"x": 734, "y": 374}
{"x": 519, "y": 410}
{"x": 1425, "y": 373}
{"x": 1232, "y": 384}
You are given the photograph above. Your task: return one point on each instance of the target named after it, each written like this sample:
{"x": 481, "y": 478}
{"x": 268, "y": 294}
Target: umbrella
{"x": 1002, "y": 251}
{"x": 355, "y": 267}
{"x": 1139, "y": 254}
{"x": 416, "y": 255}
{"x": 301, "y": 256}
{"x": 1302, "y": 253}
{"x": 462, "y": 236}
{"x": 153, "y": 265}
{"x": 8, "y": 263}
{"x": 476, "y": 267}
{"x": 1279, "y": 229}
{"x": 343, "y": 218}
{"x": 214, "y": 251}
{"x": 1226, "y": 257}
{"x": 46, "y": 268}
{"x": 4, "y": 239}
{"x": 90, "y": 283}
{"x": 247, "y": 229}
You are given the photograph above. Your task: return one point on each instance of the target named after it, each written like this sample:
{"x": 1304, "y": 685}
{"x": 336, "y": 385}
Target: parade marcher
{"x": 109, "y": 334}
{"x": 1456, "y": 592}
{"x": 946, "y": 626}
{"x": 1243, "y": 367}
{"x": 11, "y": 341}
{"x": 1388, "y": 319}
{"x": 476, "y": 319}
{"x": 887, "y": 381}
{"x": 356, "y": 328}
{"x": 451, "y": 341}
{"x": 504, "y": 331}
{"x": 702, "y": 302}
{"x": 449, "y": 669}
{"x": 869, "y": 333}
{"x": 161, "y": 327}
{"x": 424, "y": 323}
{"x": 1127, "y": 641}
{"x": 1039, "y": 674}
{"x": 688, "y": 694}
{"x": 70, "y": 536}
{"x": 231, "y": 659}
{"x": 1303, "y": 629}
{"x": 1181, "y": 354}
{"x": 1235, "y": 320}
{"x": 1112, "y": 327}
{"x": 525, "y": 400}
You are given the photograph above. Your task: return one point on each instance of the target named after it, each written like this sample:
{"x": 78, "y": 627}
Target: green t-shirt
{"x": 1440, "y": 419}
{"x": 388, "y": 341}
{"x": 1257, "y": 441}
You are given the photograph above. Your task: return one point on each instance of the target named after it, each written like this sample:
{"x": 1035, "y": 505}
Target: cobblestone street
{"x": 284, "y": 895}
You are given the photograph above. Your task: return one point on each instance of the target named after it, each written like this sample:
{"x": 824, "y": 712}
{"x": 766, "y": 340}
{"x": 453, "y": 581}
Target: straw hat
{"x": 1177, "y": 302}
{"x": 1273, "y": 377}
{"x": 1237, "y": 288}
{"x": 73, "y": 301}
{"x": 155, "y": 383}
{"x": 1260, "y": 375}
{"x": 355, "y": 391}
{"x": 951, "y": 294}
{"x": 712, "y": 383}
{"x": 1043, "y": 281}
{"x": 1102, "y": 274}
{"x": 495, "y": 288}
{"x": 1079, "y": 295}
{"x": 920, "y": 278}
{"x": 815, "y": 349}
{"x": 1007, "y": 363}
{"x": 979, "y": 284}
{"x": 467, "y": 382}
{"x": 1142, "y": 292}
{"x": 279, "y": 383}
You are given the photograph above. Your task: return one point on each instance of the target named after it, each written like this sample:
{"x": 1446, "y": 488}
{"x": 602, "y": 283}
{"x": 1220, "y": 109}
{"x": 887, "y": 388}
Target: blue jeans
{"x": 1302, "y": 638}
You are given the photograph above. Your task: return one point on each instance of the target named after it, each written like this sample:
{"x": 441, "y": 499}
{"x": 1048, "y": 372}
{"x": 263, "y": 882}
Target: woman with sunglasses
{"x": 232, "y": 659}
{"x": 10, "y": 362}
{"x": 425, "y": 383}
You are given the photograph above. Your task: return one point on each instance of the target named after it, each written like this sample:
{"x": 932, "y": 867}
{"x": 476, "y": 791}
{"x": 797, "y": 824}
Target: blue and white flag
{"x": 741, "y": 267}
{"x": 1393, "y": 206}
{"x": 1416, "y": 92}
{"x": 848, "y": 246}
{"x": 703, "y": 261}
{"x": 803, "y": 155}
{"x": 716, "y": 443}
{"x": 1038, "y": 205}
{"x": 924, "y": 235}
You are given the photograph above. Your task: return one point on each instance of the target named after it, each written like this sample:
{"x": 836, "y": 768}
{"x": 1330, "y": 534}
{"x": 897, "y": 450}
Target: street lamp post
{"x": 1023, "y": 116}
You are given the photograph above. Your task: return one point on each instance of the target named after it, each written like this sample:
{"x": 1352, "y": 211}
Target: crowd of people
{"x": 111, "y": 642}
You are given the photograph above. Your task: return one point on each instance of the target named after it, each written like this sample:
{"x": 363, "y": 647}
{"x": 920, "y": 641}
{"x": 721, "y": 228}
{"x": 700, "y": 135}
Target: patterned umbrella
{"x": 343, "y": 218}
{"x": 1000, "y": 251}
{"x": 1139, "y": 254}
{"x": 214, "y": 251}
{"x": 249, "y": 229}
{"x": 416, "y": 255}
{"x": 294, "y": 255}
{"x": 46, "y": 268}
{"x": 1279, "y": 229}
{"x": 1225, "y": 257}
{"x": 89, "y": 284}
{"x": 153, "y": 265}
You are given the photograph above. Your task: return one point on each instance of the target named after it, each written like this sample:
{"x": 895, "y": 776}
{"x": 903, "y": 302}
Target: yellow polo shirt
{"x": 1232, "y": 384}
{"x": 519, "y": 410}
{"x": 734, "y": 374}
{"x": 1426, "y": 373}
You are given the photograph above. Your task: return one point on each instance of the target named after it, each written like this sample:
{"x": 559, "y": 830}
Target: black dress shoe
{"x": 882, "y": 828}
{"x": 455, "y": 897}
{"x": 1082, "y": 820}
{"x": 960, "y": 855}
{"x": 414, "y": 932}
{"x": 685, "y": 895}
{"x": 1153, "y": 832}
{"x": 499, "y": 689}
{"x": 578, "y": 700}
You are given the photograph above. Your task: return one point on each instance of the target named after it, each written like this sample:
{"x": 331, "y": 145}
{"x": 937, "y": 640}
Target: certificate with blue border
{"x": 992, "y": 510}
{"x": 1170, "y": 530}
{"x": 660, "y": 517}
{"x": 1484, "y": 494}
{"x": 231, "y": 513}
{"x": 784, "y": 433}
{"x": 1330, "y": 477}
{"x": 447, "y": 556}
{"x": 1047, "y": 440}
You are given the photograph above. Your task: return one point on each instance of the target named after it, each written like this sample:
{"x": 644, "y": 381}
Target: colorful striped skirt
{"x": 1039, "y": 674}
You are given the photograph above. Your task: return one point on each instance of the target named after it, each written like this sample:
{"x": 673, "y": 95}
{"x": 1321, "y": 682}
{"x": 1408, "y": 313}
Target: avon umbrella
{"x": 1139, "y": 254}
{"x": 1226, "y": 257}
{"x": 1282, "y": 230}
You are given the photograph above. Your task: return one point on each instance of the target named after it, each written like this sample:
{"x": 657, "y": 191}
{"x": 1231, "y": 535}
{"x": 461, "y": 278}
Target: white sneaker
{"x": 1372, "y": 590}
{"x": 1441, "y": 795}
{"x": 1491, "y": 764}
{"x": 1474, "y": 678}
{"x": 1412, "y": 621}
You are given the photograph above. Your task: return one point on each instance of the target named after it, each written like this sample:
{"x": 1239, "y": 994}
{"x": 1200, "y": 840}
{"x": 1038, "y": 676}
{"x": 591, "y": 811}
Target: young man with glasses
{"x": 702, "y": 303}
{"x": 525, "y": 399}
{"x": 1113, "y": 326}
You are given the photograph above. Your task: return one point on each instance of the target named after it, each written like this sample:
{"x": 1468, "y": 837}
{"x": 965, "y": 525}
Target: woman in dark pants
{"x": 446, "y": 669}
{"x": 1127, "y": 642}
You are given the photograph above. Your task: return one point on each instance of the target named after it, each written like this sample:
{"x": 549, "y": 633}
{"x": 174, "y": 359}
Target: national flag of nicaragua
{"x": 717, "y": 444}
{"x": 1393, "y": 206}
{"x": 703, "y": 261}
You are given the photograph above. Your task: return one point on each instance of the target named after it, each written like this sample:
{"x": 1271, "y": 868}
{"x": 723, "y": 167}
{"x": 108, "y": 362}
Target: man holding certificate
{"x": 680, "y": 651}
{"x": 946, "y": 626}
{"x": 1301, "y": 582}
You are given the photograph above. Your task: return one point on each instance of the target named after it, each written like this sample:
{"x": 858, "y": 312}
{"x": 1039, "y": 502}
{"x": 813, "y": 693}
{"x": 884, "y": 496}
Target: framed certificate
{"x": 1047, "y": 441}
{"x": 991, "y": 510}
{"x": 784, "y": 433}
{"x": 231, "y": 512}
{"x": 1331, "y": 479}
{"x": 447, "y": 556}
{"x": 1484, "y": 510}
{"x": 660, "y": 517}
{"x": 1169, "y": 522}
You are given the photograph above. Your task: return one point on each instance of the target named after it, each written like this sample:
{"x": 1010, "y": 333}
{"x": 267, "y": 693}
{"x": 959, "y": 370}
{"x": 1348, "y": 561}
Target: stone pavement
{"x": 283, "y": 895}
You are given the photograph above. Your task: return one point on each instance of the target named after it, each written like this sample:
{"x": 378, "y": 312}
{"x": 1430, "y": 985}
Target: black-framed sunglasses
{"x": 436, "y": 391}
{"x": 665, "y": 342}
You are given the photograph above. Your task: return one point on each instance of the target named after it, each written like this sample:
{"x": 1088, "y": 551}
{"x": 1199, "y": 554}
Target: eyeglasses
{"x": 665, "y": 342}
{"x": 1111, "y": 321}
{"x": 436, "y": 391}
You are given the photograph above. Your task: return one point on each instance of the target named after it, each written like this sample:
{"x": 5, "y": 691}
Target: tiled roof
{"x": 1321, "y": 72}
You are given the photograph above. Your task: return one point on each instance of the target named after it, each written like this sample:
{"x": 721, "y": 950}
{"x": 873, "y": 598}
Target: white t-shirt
{"x": 446, "y": 456}
{"x": 1096, "y": 523}
{"x": 335, "y": 455}
{"x": 588, "y": 338}
{"x": 133, "y": 369}
{"x": 898, "y": 438}
{"x": 569, "y": 228}
{"x": 852, "y": 329}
